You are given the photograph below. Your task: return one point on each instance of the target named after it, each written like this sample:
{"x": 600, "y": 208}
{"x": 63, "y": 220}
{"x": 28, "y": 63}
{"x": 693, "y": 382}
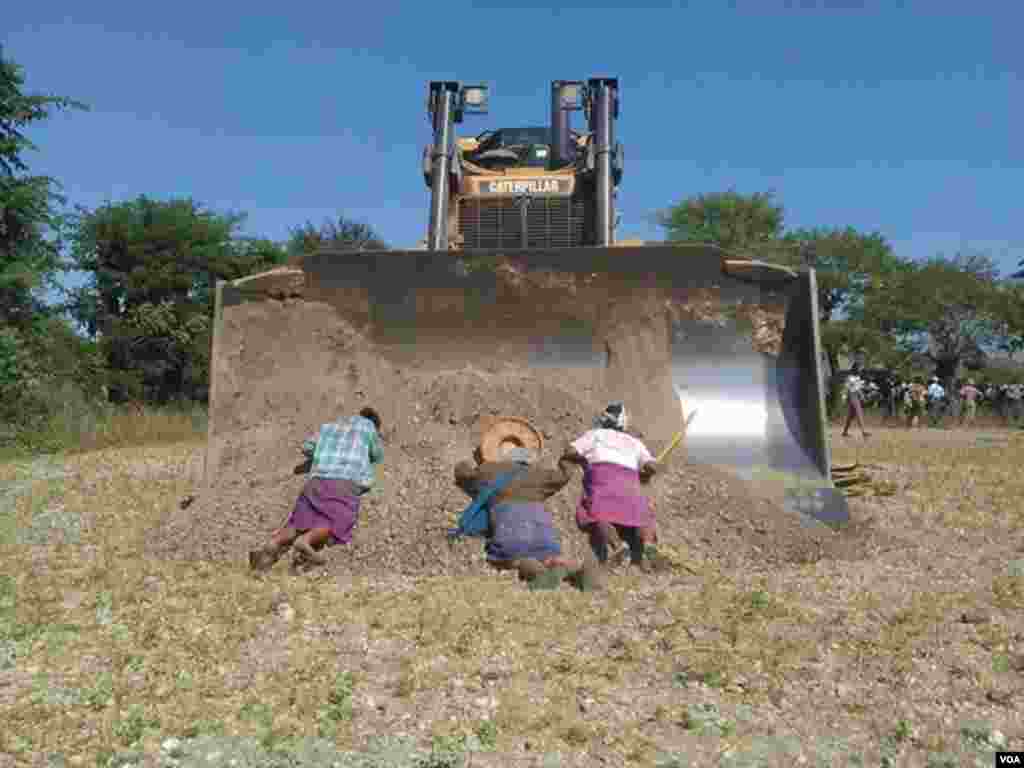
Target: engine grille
{"x": 495, "y": 222}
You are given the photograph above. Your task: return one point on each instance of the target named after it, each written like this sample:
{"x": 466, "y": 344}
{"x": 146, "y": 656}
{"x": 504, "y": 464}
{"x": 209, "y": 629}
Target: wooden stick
{"x": 676, "y": 440}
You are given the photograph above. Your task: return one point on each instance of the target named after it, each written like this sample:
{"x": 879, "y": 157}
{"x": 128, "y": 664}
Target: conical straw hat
{"x": 506, "y": 432}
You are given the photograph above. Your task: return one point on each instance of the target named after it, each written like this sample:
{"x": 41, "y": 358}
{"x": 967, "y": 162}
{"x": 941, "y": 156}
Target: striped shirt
{"x": 345, "y": 450}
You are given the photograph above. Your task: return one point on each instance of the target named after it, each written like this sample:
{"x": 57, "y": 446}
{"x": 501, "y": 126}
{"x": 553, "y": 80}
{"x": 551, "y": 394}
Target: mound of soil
{"x": 432, "y": 420}
{"x": 403, "y": 521}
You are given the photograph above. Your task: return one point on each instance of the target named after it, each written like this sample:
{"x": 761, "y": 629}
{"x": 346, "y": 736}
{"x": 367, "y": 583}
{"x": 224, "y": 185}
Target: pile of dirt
{"x": 286, "y": 366}
{"x": 433, "y": 423}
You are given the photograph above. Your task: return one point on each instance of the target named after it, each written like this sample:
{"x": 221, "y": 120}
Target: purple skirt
{"x": 611, "y": 494}
{"x": 331, "y": 504}
{"x": 523, "y": 530}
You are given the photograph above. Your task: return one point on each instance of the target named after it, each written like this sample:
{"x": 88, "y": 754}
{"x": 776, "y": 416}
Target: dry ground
{"x": 912, "y": 657}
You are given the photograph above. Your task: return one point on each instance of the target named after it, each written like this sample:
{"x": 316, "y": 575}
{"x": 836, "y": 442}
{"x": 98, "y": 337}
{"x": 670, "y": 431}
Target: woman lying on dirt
{"x": 614, "y": 463}
{"x": 520, "y": 533}
{"x": 343, "y": 454}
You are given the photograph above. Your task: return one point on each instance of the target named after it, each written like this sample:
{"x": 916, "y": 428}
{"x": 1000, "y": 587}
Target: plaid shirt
{"x": 345, "y": 451}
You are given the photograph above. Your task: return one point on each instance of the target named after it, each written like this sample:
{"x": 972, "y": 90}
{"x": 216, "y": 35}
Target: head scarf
{"x": 613, "y": 417}
{"x": 519, "y": 455}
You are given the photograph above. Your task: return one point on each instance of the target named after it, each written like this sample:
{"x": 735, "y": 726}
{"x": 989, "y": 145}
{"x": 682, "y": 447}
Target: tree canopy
{"x": 731, "y": 220}
{"x": 343, "y": 233}
{"x": 944, "y": 308}
{"x": 151, "y": 266}
{"x": 30, "y": 206}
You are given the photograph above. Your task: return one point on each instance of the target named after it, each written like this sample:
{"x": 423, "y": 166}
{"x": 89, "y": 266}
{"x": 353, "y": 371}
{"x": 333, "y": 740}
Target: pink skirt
{"x": 611, "y": 494}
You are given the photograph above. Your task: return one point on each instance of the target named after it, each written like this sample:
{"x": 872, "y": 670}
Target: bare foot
{"x": 310, "y": 554}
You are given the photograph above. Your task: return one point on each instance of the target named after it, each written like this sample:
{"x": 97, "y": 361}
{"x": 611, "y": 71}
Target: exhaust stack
{"x": 441, "y": 105}
{"x": 603, "y": 98}
{"x": 563, "y": 100}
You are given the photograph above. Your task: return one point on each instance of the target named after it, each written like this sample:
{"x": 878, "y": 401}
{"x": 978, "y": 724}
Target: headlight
{"x": 475, "y": 96}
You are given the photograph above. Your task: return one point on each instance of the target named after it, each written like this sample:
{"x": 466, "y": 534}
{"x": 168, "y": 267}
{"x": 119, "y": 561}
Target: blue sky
{"x": 882, "y": 116}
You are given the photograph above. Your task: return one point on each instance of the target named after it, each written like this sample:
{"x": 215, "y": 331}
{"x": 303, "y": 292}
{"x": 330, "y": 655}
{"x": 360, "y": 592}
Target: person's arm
{"x": 309, "y": 445}
{"x": 376, "y": 449}
{"x": 467, "y": 477}
{"x": 648, "y": 465}
{"x": 556, "y": 479}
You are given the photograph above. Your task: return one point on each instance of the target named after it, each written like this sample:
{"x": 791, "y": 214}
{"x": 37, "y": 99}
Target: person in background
{"x": 343, "y": 455}
{"x": 1014, "y": 400}
{"x": 969, "y": 395}
{"x": 614, "y": 464}
{"x": 521, "y": 533}
{"x": 936, "y": 401}
{"x": 915, "y": 399}
{"x": 853, "y": 388}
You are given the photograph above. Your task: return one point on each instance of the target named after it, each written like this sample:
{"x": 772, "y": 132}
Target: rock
{"x": 975, "y": 616}
{"x": 172, "y": 747}
{"x": 1002, "y": 697}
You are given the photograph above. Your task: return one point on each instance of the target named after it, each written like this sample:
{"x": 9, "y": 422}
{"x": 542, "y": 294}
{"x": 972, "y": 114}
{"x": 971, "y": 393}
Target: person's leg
{"x": 601, "y": 536}
{"x": 633, "y": 539}
{"x": 528, "y": 569}
{"x": 858, "y": 411}
{"x": 849, "y": 418}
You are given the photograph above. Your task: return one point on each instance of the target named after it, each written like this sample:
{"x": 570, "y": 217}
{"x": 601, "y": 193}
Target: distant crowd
{"x": 915, "y": 398}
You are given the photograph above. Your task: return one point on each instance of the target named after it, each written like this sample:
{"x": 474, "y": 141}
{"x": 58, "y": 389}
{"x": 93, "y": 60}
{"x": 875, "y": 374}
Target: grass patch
{"x": 191, "y": 656}
{"x": 77, "y": 427}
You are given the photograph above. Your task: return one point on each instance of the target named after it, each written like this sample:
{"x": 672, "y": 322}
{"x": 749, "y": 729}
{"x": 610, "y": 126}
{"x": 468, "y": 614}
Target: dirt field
{"x": 899, "y": 642}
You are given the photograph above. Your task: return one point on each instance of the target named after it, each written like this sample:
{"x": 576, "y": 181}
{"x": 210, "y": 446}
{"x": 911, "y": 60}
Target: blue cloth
{"x": 523, "y": 529}
{"x": 473, "y": 521}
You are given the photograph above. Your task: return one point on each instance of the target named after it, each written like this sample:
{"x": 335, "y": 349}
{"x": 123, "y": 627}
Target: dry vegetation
{"x": 913, "y": 658}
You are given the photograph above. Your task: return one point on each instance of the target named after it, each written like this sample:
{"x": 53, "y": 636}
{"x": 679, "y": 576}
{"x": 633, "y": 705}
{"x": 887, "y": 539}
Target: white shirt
{"x": 612, "y": 447}
{"x": 854, "y": 384}
{"x": 936, "y": 392}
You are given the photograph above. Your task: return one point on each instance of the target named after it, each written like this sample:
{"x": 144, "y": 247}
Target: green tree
{"x": 151, "y": 266}
{"x": 37, "y": 348}
{"x": 1010, "y": 318}
{"x": 344, "y": 233}
{"x": 30, "y": 205}
{"x": 945, "y": 308}
{"x": 848, "y": 264}
{"x": 735, "y": 222}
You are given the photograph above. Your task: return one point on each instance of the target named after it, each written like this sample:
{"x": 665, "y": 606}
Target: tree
{"x": 152, "y": 265}
{"x": 33, "y": 352}
{"x": 344, "y": 233}
{"x": 738, "y": 223}
{"x": 944, "y": 308}
{"x": 848, "y": 265}
{"x": 29, "y": 205}
{"x": 1010, "y": 318}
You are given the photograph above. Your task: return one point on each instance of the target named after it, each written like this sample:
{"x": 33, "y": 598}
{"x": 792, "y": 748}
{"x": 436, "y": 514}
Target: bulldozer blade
{"x": 651, "y": 325}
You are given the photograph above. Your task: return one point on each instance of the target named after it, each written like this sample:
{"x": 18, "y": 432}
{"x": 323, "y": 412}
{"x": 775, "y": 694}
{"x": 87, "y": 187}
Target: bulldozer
{"x": 521, "y": 264}
{"x": 523, "y": 187}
